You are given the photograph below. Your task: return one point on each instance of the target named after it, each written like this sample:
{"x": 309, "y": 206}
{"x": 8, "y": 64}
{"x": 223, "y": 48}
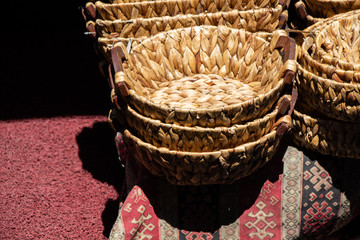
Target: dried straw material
{"x": 109, "y": 32}
{"x": 253, "y": 59}
{"x": 304, "y": 10}
{"x": 199, "y": 168}
{"x": 338, "y": 43}
{"x": 261, "y": 19}
{"x": 326, "y": 136}
{"x": 197, "y": 139}
{"x": 328, "y": 88}
{"x": 149, "y": 9}
{"x": 332, "y": 48}
{"x": 329, "y": 8}
{"x": 333, "y": 99}
{"x": 248, "y": 4}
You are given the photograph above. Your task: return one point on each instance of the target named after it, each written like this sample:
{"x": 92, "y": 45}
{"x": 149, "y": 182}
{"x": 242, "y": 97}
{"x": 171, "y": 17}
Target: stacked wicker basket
{"x": 199, "y": 90}
{"x": 327, "y": 118}
{"x": 313, "y": 11}
{"x": 133, "y": 20}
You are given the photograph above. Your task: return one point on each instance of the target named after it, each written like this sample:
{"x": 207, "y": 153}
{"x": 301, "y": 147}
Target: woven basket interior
{"x": 340, "y": 41}
{"x": 333, "y": 48}
{"x": 223, "y": 65}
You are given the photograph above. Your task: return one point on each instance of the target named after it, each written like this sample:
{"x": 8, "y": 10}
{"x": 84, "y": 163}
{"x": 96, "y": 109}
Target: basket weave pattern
{"x": 328, "y": 88}
{"x": 317, "y": 11}
{"x": 186, "y": 168}
{"x": 326, "y": 136}
{"x": 229, "y": 82}
{"x": 150, "y": 9}
{"x": 226, "y": 52}
{"x": 197, "y": 139}
{"x": 260, "y": 19}
{"x": 329, "y": 8}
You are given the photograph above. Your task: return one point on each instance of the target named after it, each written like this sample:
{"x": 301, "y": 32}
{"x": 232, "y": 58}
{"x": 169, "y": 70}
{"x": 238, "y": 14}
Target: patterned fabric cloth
{"x": 294, "y": 196}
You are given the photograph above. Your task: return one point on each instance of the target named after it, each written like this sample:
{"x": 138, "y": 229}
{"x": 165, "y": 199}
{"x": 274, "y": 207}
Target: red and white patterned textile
{"x": 293, "y": 197}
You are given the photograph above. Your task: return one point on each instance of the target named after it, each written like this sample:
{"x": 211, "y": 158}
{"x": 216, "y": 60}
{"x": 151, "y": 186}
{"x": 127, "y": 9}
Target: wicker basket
{"x": 197, "y": 139}
{"x": 149, "y": 9}
{"x": 333, "y": 99}
{"x": 312, "y": 13}
{"x": 109, "y": 33}
{"x": 195, "y": 168}
{"x": 261, "y": 19}
{"x": 326, "y": 136}
{"x": 338, "y": 42}
{"x": 311, "y": 62}
{"x": 329, "y": 8}
{"x": 332, "y": 91}
{"x": 243, "y": 3}
{"x": 260, "y": 61}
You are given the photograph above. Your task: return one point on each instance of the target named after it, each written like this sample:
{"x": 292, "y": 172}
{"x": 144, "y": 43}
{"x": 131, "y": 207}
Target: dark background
{"x": 49, "y": 66}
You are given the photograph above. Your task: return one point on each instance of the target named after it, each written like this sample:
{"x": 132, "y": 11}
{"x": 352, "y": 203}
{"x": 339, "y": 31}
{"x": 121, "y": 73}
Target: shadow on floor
{"x": 98, "y": 154}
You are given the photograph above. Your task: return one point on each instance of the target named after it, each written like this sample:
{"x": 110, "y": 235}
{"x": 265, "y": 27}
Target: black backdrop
{"x": 49, "y": 66}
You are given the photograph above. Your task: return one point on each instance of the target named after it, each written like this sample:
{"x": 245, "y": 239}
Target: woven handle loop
{"x": 91, "y": 9}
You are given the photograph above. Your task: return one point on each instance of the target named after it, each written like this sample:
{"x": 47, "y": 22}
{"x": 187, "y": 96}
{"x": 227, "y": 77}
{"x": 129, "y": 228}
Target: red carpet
{"x": 57, "y": 178}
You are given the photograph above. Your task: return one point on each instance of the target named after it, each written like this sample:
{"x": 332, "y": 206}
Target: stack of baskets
{"x": 313, "y": 11}
{"x": 199, "y": 87}
{"x": 327, "y": 118}
{"x": 205, "y": 104}
{"x": 131, "y": 20}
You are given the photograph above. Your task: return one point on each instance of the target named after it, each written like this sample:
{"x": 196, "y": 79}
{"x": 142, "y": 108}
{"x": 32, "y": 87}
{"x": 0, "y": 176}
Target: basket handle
{"x": 286, "y": 103}
{"x": 118, "y": 54}
{"x": 91, "y": 9}
{"x": 288, "y": 44}
{"x": 301, "y": 11}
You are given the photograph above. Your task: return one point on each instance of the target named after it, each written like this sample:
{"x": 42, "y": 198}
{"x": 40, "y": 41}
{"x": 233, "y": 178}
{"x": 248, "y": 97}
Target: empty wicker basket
{"x": 163, "y": 66}
{"x": 328, "y": 88}
{"x": 251, "y": 16}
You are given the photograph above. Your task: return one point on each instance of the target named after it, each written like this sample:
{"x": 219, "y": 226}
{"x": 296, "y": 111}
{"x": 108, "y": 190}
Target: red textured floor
{"x": 59, "y": 178}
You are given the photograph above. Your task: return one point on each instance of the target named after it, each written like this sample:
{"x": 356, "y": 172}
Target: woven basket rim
{"x": 99, "y": 20}
{"x": 163, "y": 150}
{"x": 332, "y": 1}
{"x": 326, "y": 21}
{"x": 100, "y": 3}
{"x": 202, "y": 129}
{"x": 148, "y": 102}
{"x": 327, "y": 68}
{"x": 324, "y": 80}
{"x": 100, "y": 23}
